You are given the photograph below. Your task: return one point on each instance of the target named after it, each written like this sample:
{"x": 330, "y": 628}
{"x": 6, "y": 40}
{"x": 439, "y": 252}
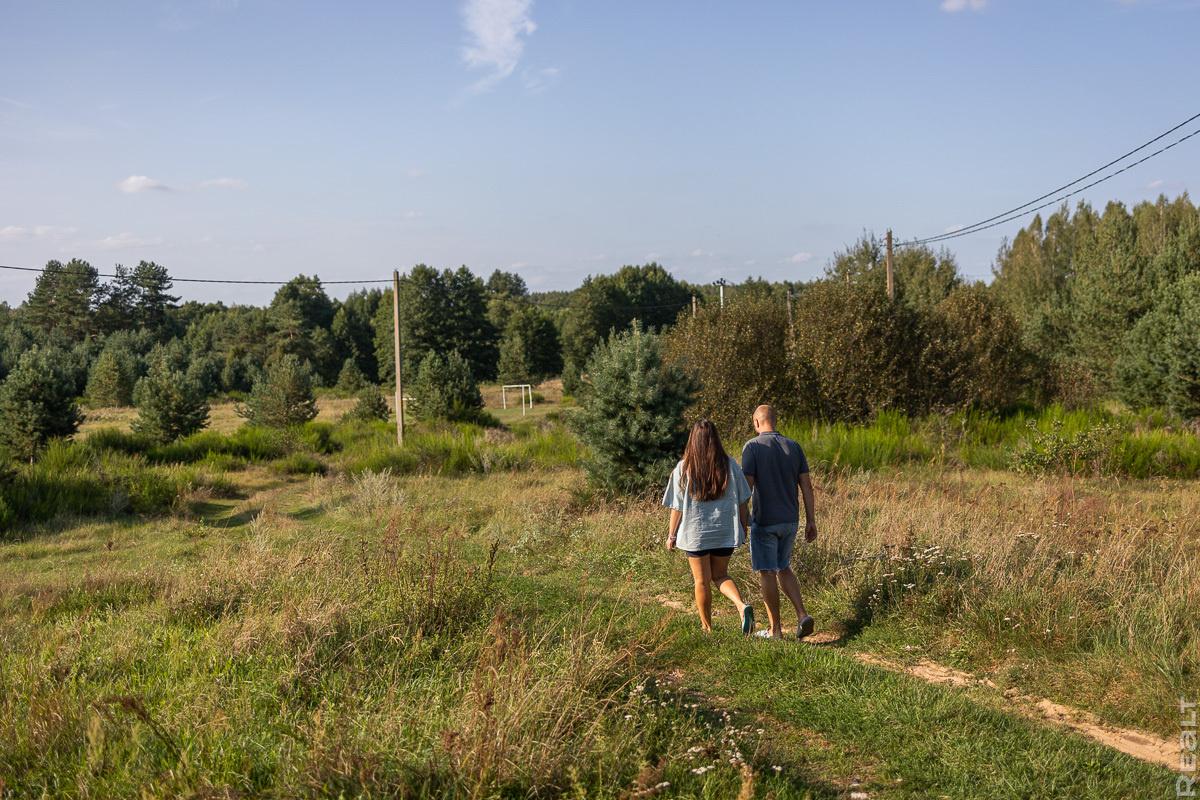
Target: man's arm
{"x": 810, "y": 507}
{"x": 673, "y": 527}
{"x": 744, "y": 515}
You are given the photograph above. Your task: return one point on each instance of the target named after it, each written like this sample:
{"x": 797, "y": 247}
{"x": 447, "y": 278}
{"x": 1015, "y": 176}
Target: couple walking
{"x": 709, "y": 496}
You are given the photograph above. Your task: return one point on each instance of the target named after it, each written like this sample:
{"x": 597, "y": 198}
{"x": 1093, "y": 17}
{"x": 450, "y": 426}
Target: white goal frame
{"x": 524, "y": 387}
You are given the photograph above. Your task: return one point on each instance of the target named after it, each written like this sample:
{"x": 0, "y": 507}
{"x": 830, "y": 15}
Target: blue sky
{"x": 557, "y": 138}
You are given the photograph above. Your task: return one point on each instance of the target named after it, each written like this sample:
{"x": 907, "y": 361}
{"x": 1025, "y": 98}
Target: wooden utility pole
{"x": 399, "y": 360}
{"x": 693, "y": 306}
{"x": 891, "y": 276}
{"x": 721, "y": 284}
{"x": 791, "y": 324}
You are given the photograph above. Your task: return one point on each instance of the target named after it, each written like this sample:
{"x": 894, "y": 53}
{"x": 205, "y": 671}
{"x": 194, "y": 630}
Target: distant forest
{"x": 1085, "y": 305}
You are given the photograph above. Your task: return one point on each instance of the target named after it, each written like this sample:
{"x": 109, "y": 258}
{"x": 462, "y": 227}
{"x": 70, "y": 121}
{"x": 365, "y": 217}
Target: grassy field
{"x": 466, "y": 619}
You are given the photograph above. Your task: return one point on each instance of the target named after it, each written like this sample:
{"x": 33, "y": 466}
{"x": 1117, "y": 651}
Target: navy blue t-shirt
{"x": 775, "y": 463}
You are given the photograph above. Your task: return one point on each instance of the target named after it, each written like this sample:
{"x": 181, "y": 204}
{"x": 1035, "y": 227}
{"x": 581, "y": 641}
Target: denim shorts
{"x": 771, "y": 546}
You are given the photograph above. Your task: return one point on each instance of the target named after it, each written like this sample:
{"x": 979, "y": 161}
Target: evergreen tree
{"x": 37, "y": 403}
{"x": 353, "y": 329}
{"x": 351, "y": 378}
{"x": 530, "y": 350}
{"x": 153, "y": 304}
{"x": 445, "y": 388}
{"x": 1183, "y": 351}
{"x": 507, "y": 284}
{"x": 171, "y": 404}
{"x": 282, "y": 397}
{"x": 1109, "y": 294}
{"x": 632, "y": 414}
{"x": 370, "y": 406}
{"x": 112, "y": 378}
{"x": 63, "y": 298}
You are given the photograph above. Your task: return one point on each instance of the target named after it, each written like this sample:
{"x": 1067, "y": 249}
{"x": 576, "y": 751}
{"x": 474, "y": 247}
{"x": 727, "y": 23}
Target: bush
{"x": 171, "y": 404}
{"x": 857, "y": 352}
{"x": 739, "y": 355}
{"x": 37, "y": 403}
{"x": 445, "y": 389}
{"x": 632, "y": 414}
{"x": 1088, "y": 451}
{"x": 369, "y": 406}
{"x": 975, "y": 357}
{"x": 283, "y": 397}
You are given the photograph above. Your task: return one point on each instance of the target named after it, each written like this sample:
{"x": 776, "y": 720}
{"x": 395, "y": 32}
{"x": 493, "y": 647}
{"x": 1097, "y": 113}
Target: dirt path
{"x": 1139, "y": 744}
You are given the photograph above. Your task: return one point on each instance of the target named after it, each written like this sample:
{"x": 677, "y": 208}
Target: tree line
{"x": 1085, "y": 306}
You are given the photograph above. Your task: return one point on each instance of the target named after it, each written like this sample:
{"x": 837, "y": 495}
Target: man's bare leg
{"x": 770, "y": 593}
{"x": 791, "y": 588}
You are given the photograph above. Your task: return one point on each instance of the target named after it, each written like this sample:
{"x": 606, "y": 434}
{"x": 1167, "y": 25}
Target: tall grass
{"x": 1144, "y": 444}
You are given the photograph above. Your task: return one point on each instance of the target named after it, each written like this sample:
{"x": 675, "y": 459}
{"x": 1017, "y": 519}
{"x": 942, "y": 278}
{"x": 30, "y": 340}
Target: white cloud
{"x": 1155, "y": 184}
{"x": 539, "y": 80}
{"x": 495, "y": 37}
{"x": 141, "y": 183}
{"x": 17, "y": 233}
{"x": 411, "y": 214}
{"x": 750, "y": 262}
{"x": 952, "y": 229}
{"x": 801, "y": 258}
{"x": 954, "y": 6}
{"x": 124, "y": 241}
{"x": 700, "y": 253}
{"x": 223, "y": 183}
{"x": 415, "y": 172}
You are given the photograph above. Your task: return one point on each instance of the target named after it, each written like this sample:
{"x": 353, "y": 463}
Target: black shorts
{"x": 719, "y": 552}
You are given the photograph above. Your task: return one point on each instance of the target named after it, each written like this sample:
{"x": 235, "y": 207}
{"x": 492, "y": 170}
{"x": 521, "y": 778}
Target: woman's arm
{"x": 673, "y": 527}
{"x": 744, "y": 515}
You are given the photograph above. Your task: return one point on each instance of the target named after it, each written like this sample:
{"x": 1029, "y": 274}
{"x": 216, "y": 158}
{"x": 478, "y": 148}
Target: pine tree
{"x": 37, "y": 403}
{"x": 112, "y": 378}
{"x": 1183, "y": 351}
{"x": 63, "y": 298}
{"x": 351, "y": 378}
{"x": 445, "y": 388}
{"x": 632, "y": 414}
{"x": 170, "y": 403}
{"x": 369, "y": 406}
{"x": 282, "y": 397}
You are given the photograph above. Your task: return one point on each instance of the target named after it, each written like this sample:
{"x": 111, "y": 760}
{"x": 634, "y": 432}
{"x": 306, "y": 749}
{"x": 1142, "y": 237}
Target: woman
{"x": 710, "y": 509}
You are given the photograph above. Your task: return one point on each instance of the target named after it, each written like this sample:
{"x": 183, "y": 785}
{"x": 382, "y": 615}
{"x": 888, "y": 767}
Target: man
{"x": 776, "y": 468}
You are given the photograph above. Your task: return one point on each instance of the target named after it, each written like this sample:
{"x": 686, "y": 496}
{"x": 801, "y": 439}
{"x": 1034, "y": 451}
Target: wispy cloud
{"x": 496, "y": 31}
{"x": 800, "y": 258}
{"x": 700, "y": 252}
{"x": 416, "y": 172}
{"x": 8, "y": 101}
{"x": 953, "y": 229}
{"x": 141, "y": 183}
{"x": 18, "y": 233}
{"x": 954, "y": 6}
{"x": 125, "y": 241}
{"x": 223, "y": 183}
{"x": 539, "y": 80}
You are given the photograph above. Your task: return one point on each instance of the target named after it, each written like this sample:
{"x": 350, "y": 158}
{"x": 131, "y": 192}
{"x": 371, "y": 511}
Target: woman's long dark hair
{"x": 705, "y": 465}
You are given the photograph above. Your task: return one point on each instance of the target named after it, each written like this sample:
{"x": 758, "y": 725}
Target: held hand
{"x": 670, "y": 542}
{"x": 810, "y": 531}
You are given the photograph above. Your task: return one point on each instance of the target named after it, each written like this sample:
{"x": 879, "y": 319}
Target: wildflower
{"x": 777, "y": 768}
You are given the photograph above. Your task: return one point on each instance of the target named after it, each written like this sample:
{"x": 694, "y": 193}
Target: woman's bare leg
{"x": 701, "y": 575}
{"x": 720, "y": 576}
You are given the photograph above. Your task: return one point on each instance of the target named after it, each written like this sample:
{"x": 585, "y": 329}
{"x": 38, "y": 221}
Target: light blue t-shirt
{"x": 708, "y": 523}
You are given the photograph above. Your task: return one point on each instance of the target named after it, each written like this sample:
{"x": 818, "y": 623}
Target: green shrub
{"x": 283, "y": 397}
{"x": 299, "y": 464}
{"x": 632, "y": 415}
{"x": 740, "y": 357}
{"x": 37, "y": 403}
{"x": 171, "y": 404}
{"x": 445, "y": 389}
{"x": 370, "y": 405}
{"x": 1088, "y": 451}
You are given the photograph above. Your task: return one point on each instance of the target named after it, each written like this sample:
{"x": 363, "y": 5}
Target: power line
{"x": 195, "y": 280}
{"x": 981, "y": 227}
{"x": 984, "y": 224}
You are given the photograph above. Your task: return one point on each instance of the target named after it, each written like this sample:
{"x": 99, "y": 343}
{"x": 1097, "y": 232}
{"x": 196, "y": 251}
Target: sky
{"x": 260, "y": 139}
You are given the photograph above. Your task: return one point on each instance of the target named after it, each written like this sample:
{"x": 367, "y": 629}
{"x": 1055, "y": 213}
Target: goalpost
{"x": 525, "y": 388}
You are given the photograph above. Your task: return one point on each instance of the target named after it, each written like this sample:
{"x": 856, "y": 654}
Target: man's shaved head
{"x": 764, "y": 414}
